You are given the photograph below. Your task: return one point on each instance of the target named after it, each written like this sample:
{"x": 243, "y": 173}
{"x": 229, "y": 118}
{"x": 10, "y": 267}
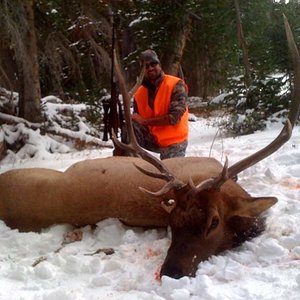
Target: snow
{"x": 44, "y": 266}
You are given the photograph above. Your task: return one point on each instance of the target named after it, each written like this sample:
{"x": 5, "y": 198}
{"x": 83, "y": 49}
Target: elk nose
{"x": 171, "y": 271}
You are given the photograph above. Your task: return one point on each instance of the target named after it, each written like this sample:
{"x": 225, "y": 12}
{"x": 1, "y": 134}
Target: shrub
{"x": 251, "y": 107}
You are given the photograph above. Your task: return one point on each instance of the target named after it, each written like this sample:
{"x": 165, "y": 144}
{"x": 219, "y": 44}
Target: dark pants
{"x": 148, "y": 141}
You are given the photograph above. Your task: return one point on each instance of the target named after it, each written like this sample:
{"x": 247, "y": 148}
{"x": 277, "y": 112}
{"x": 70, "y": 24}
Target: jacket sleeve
{"x": 178, "y": 104}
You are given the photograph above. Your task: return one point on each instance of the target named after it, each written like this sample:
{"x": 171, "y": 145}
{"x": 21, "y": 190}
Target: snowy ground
{"x": 32, "y": 265}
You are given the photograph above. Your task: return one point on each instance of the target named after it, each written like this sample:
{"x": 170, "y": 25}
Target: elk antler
{"x": 294, "y": 53}
{"x": 283, "y": 136}
{"x": 134, "y": 147}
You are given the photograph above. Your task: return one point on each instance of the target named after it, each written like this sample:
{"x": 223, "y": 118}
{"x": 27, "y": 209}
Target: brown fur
{"x": 208, "y": 222}
{"x": 31, "y": 199}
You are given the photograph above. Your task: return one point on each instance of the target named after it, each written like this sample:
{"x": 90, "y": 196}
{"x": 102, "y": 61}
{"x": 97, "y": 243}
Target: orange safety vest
{"x": 168, "y": 134}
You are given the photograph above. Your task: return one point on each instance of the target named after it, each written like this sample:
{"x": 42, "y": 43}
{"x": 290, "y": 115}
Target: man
{"x": 160, "y": 118}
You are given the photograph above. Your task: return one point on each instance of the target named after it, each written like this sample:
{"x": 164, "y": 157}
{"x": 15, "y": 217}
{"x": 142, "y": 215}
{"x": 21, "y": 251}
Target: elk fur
{"x": 35, "y": 198}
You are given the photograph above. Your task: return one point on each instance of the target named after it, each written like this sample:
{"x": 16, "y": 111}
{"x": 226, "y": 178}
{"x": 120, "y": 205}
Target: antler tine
{"x": 137, "y": 84}
{"x": 133, "y": 145}
{"x": 213, "y": 183}
{"x": 164, "y": 190}
{"x": 285, "y": 133}
{"x": 151, "y": 174}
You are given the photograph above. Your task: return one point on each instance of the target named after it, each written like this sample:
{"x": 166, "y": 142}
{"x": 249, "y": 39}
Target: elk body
{"x": 207, "y": 211}
{"x": 31, "y": 199}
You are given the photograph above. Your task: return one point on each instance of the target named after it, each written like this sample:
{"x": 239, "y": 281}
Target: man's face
{"x": 152, "y": 70}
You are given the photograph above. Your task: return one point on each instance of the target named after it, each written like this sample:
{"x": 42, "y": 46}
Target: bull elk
{"x": 207, "y": 211}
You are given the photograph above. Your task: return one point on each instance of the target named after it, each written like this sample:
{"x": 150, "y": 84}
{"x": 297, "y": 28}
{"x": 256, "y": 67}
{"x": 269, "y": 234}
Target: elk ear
{"x": 252, "y": 206}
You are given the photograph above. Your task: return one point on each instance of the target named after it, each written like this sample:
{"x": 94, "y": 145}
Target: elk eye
{"x": 214, "y": 223}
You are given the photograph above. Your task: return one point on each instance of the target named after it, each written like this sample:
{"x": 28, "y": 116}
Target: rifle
{"x": 113, "y": 117}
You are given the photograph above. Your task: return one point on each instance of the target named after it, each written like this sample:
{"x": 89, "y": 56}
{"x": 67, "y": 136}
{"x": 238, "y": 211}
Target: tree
{"x": 164, "y": 26}
{"x": 74, "y": 43}
{"x": 243, "y": 43}
{"x": 19, "y": 21}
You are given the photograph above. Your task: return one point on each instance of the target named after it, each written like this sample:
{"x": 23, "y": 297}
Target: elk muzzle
{"x": 186, "y": 252}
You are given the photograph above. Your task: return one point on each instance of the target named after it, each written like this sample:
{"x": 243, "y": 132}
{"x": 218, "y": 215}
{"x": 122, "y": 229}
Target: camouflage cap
{"x": 149, "y": 55}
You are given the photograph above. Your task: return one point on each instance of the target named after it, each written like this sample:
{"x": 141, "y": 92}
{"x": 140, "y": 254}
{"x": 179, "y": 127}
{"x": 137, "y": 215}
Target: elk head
{"x": 208, "y": 218}
{"x": 216, "y": 214}
{"x": 205, "y": 222}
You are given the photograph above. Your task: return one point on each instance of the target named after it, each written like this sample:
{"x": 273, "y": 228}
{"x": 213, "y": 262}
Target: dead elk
{"x": 206, "y": 210}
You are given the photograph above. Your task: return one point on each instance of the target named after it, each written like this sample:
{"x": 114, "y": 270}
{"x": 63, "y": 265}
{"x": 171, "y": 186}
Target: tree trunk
{"x": 19, "y": 24}
{"x": 172, "y": 59}
{"x": 243, "y": 43}
{"x": 30, "y": 108}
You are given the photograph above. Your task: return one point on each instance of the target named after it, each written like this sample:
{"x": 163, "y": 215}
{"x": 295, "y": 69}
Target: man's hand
{"x": 158, "y": 121}
{"x": 139, "y": 119}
